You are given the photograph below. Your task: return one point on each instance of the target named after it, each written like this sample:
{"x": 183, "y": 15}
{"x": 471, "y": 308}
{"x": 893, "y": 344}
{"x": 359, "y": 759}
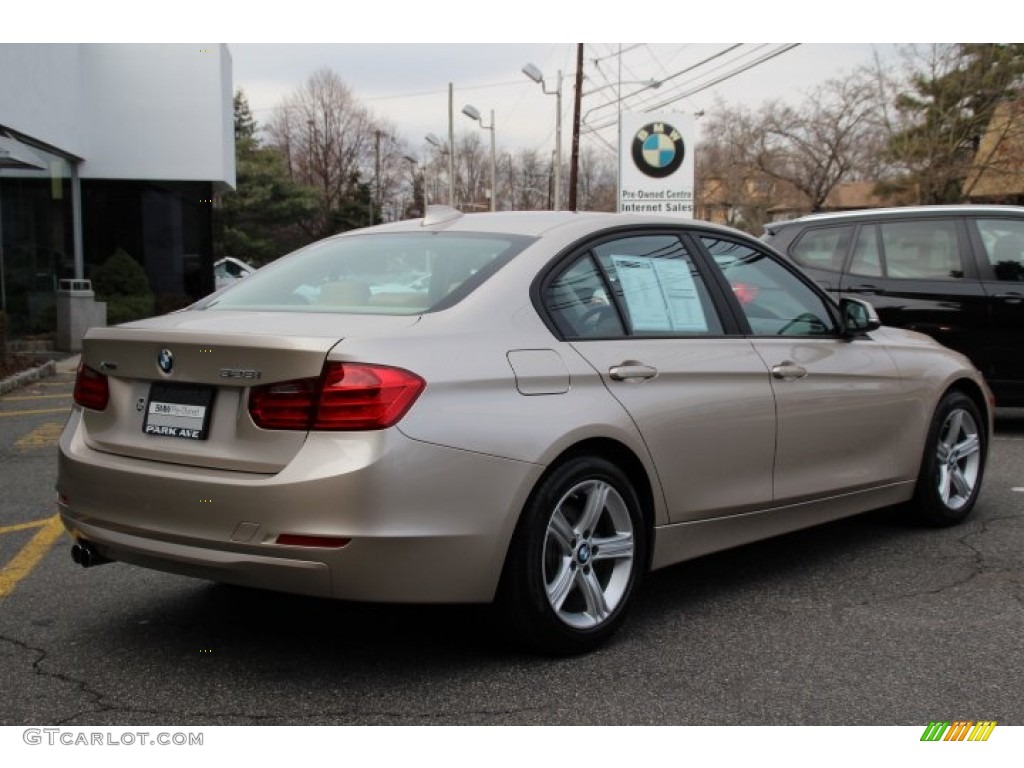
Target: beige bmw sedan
{"x": 529, "y": 408}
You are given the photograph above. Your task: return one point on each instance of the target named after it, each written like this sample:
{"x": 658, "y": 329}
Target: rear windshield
{"x": 383, "y": 274}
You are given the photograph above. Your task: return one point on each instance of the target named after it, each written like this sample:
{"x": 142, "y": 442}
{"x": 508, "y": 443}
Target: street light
{"x": 538, "y": 77}
{"x": 474, "y": 114}
{"x": 444, "y": 149}
{"x": 414, "y": 164}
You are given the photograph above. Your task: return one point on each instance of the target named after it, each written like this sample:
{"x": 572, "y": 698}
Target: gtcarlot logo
{"x": 53, "y": 737}
{"x": 958, "y": 730}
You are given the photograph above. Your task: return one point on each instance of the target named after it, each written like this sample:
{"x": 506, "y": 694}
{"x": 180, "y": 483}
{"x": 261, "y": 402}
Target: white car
{"x": 228, "y": 270}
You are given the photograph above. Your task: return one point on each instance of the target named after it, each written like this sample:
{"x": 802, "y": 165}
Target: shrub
{"x": 121, "y": 282}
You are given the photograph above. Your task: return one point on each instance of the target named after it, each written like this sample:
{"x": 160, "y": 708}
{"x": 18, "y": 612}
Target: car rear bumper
{"x": 421, "y": 538}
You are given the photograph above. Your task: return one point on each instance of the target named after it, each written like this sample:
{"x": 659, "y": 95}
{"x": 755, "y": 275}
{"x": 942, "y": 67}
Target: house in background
{"x": 754, "y": 199}
{"x": 105, "y": 147}
{"x": 997, "y": 175}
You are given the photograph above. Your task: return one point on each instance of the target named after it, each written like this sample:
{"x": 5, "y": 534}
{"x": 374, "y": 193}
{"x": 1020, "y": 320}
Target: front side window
{"x": 392, "y": 274}
{"x": 1003, "y": 240}
{"x": 922, "y": 250}
{"x": 774, "y": 300}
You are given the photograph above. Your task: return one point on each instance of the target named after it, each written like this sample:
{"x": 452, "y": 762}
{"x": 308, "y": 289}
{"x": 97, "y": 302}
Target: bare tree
{"x": 334, "y": 144}
{"x": 728, "y": 180}
{"x": 597, "y": 180}
{"x": 832, "y": 137}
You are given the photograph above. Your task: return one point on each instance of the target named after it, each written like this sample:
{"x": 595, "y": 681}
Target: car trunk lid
{"x": 179, "y": 385}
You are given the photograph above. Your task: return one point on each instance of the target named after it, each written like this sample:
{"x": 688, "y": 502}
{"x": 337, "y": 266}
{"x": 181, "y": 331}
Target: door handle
{"x": 630, "y": 370}
{"x": 1010, "y": 298}
{"x": 865, "y": 288}
{"x": 789, "y": 371}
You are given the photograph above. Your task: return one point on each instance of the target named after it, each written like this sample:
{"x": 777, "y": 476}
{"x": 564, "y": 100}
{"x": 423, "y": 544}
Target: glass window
{"x": 925, "y": 250}
{"x": 657, "y": 285}
{"x": 386, "y": 274}
{"x": 822, "y": 248}
{"x": 774, "y": 300}
{"x": 867, "y": 260}
{"x": 579, "y": 303}
{"x": 1003, "y": 240}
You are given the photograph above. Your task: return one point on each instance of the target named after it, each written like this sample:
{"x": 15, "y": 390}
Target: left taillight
{"x": 91, "y": 389}
{"x": 346, "y": 396}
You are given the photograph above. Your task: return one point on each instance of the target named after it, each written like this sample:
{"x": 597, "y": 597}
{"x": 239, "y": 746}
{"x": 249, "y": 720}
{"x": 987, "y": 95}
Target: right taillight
{"x": 346, "y": 396}
{"x": 91, "y": 389}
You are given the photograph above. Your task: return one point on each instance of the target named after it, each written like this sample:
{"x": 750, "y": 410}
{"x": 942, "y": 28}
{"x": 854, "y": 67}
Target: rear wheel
{"x": 954, "y": 462}
{"x": 576, "y": 558}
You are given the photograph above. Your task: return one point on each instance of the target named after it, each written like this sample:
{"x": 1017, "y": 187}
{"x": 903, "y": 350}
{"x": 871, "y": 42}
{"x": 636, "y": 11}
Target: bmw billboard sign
{"x": 656, "y": 164}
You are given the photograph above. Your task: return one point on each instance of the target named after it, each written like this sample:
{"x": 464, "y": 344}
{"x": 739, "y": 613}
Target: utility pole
{"x": 451, "y": 146}
{"x": 376, "y": 174}
{"x": 574, "y": 163}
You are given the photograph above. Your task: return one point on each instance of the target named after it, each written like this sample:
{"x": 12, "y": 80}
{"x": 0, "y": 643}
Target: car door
{"x": 918, "y": 274}
{"x": 638, "y": 308}
{"x": 840, "y": 402}
{"x": 999, "y": 242}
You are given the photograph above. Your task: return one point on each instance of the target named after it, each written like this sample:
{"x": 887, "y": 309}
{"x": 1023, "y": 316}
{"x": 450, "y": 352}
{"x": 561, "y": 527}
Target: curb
{"x": 18, "y": 380}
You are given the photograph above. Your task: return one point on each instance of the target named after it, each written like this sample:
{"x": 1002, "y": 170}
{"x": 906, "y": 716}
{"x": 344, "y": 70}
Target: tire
{"x": 953, "y": 464}
{"x": 577, "y": 557}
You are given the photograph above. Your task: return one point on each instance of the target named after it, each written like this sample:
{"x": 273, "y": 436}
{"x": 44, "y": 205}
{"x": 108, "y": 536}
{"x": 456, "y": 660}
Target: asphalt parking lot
{"x": 863, "y": 622}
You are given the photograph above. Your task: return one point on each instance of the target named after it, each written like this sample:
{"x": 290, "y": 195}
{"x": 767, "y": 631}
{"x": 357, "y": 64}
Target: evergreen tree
{"x": 263, "y": 218}
{"x": 952, "y": 95}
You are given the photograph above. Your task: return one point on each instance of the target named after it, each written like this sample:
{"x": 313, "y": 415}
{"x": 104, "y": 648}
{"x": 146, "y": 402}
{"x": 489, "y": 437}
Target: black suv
{"x": 955, "y": 272}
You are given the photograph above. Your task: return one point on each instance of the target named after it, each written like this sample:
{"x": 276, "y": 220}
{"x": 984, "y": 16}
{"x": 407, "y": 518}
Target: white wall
{"x": 41, "y": 94}
{"x": 153, "y": 111}
{"x": 159, "y": 112}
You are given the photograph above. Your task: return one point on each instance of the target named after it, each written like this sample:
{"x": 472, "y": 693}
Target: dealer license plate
{"x": 178, "y": 410}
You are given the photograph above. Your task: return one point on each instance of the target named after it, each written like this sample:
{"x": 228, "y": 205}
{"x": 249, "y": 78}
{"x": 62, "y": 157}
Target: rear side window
{"x": 928, "y": 249}
{"x": 641, "y": 286}
{"x": 822, "y": 248}
{"x": 1003, "y": 241}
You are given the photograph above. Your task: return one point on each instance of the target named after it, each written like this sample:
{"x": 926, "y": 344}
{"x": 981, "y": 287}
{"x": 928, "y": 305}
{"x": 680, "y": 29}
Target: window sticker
{"x": 660, "y": 294}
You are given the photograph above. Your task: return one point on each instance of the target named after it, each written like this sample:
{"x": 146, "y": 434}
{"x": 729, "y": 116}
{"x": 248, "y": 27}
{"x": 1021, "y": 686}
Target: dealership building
{"x": 106, "y": 147}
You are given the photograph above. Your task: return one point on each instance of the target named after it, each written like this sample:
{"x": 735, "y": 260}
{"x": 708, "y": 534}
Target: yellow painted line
{"x": 34, "y": 412}
{"x": 22, "y": 526}
{"x": 30, "y": 555}
{"x": 43, "y": 436}
{"x": 35, "y": 397}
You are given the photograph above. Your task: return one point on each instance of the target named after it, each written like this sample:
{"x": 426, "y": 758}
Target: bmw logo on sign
{"x": 165, "y": 360}
{"x": 658, "y": 150}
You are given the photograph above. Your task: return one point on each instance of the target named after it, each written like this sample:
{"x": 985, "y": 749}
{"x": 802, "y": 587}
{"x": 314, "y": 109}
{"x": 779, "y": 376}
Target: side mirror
{"x": 859, "y": 317}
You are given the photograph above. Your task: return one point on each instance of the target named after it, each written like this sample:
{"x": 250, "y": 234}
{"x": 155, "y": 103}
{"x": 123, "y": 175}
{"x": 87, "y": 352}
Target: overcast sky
{"x": 399, "y": 56}
{"x": 407, "y": 84}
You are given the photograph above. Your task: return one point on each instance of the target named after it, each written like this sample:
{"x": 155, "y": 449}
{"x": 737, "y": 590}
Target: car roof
{"x": 533, "y": 223}
{"x": 910, "y": 210}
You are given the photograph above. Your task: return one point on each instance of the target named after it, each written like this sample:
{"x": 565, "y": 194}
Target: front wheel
{"x": 576, "y": 558}
{"x": 954, "y": 462}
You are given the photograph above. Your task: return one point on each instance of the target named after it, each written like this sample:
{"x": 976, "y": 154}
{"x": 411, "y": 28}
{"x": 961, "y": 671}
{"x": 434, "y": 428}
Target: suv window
{"x": 867, "y": 258}
{"x": 923, "y": 250}
{"x": 822, "y": 248}
{"x": 774, "y": 300}
{"x": 1003, "y": 240}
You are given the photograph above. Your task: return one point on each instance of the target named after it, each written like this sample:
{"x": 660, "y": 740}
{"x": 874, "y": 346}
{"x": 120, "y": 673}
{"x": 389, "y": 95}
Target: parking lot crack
{"x": 37, "y": 668}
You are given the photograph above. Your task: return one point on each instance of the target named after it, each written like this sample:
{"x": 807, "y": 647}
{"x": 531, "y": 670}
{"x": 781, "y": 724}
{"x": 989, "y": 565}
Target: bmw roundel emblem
{"x": 658, "y": 150}
{"x": 165, "y": 360}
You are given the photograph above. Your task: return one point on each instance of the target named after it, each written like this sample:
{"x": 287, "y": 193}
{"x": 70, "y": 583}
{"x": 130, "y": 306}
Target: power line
{"x": 651, "y": 104}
